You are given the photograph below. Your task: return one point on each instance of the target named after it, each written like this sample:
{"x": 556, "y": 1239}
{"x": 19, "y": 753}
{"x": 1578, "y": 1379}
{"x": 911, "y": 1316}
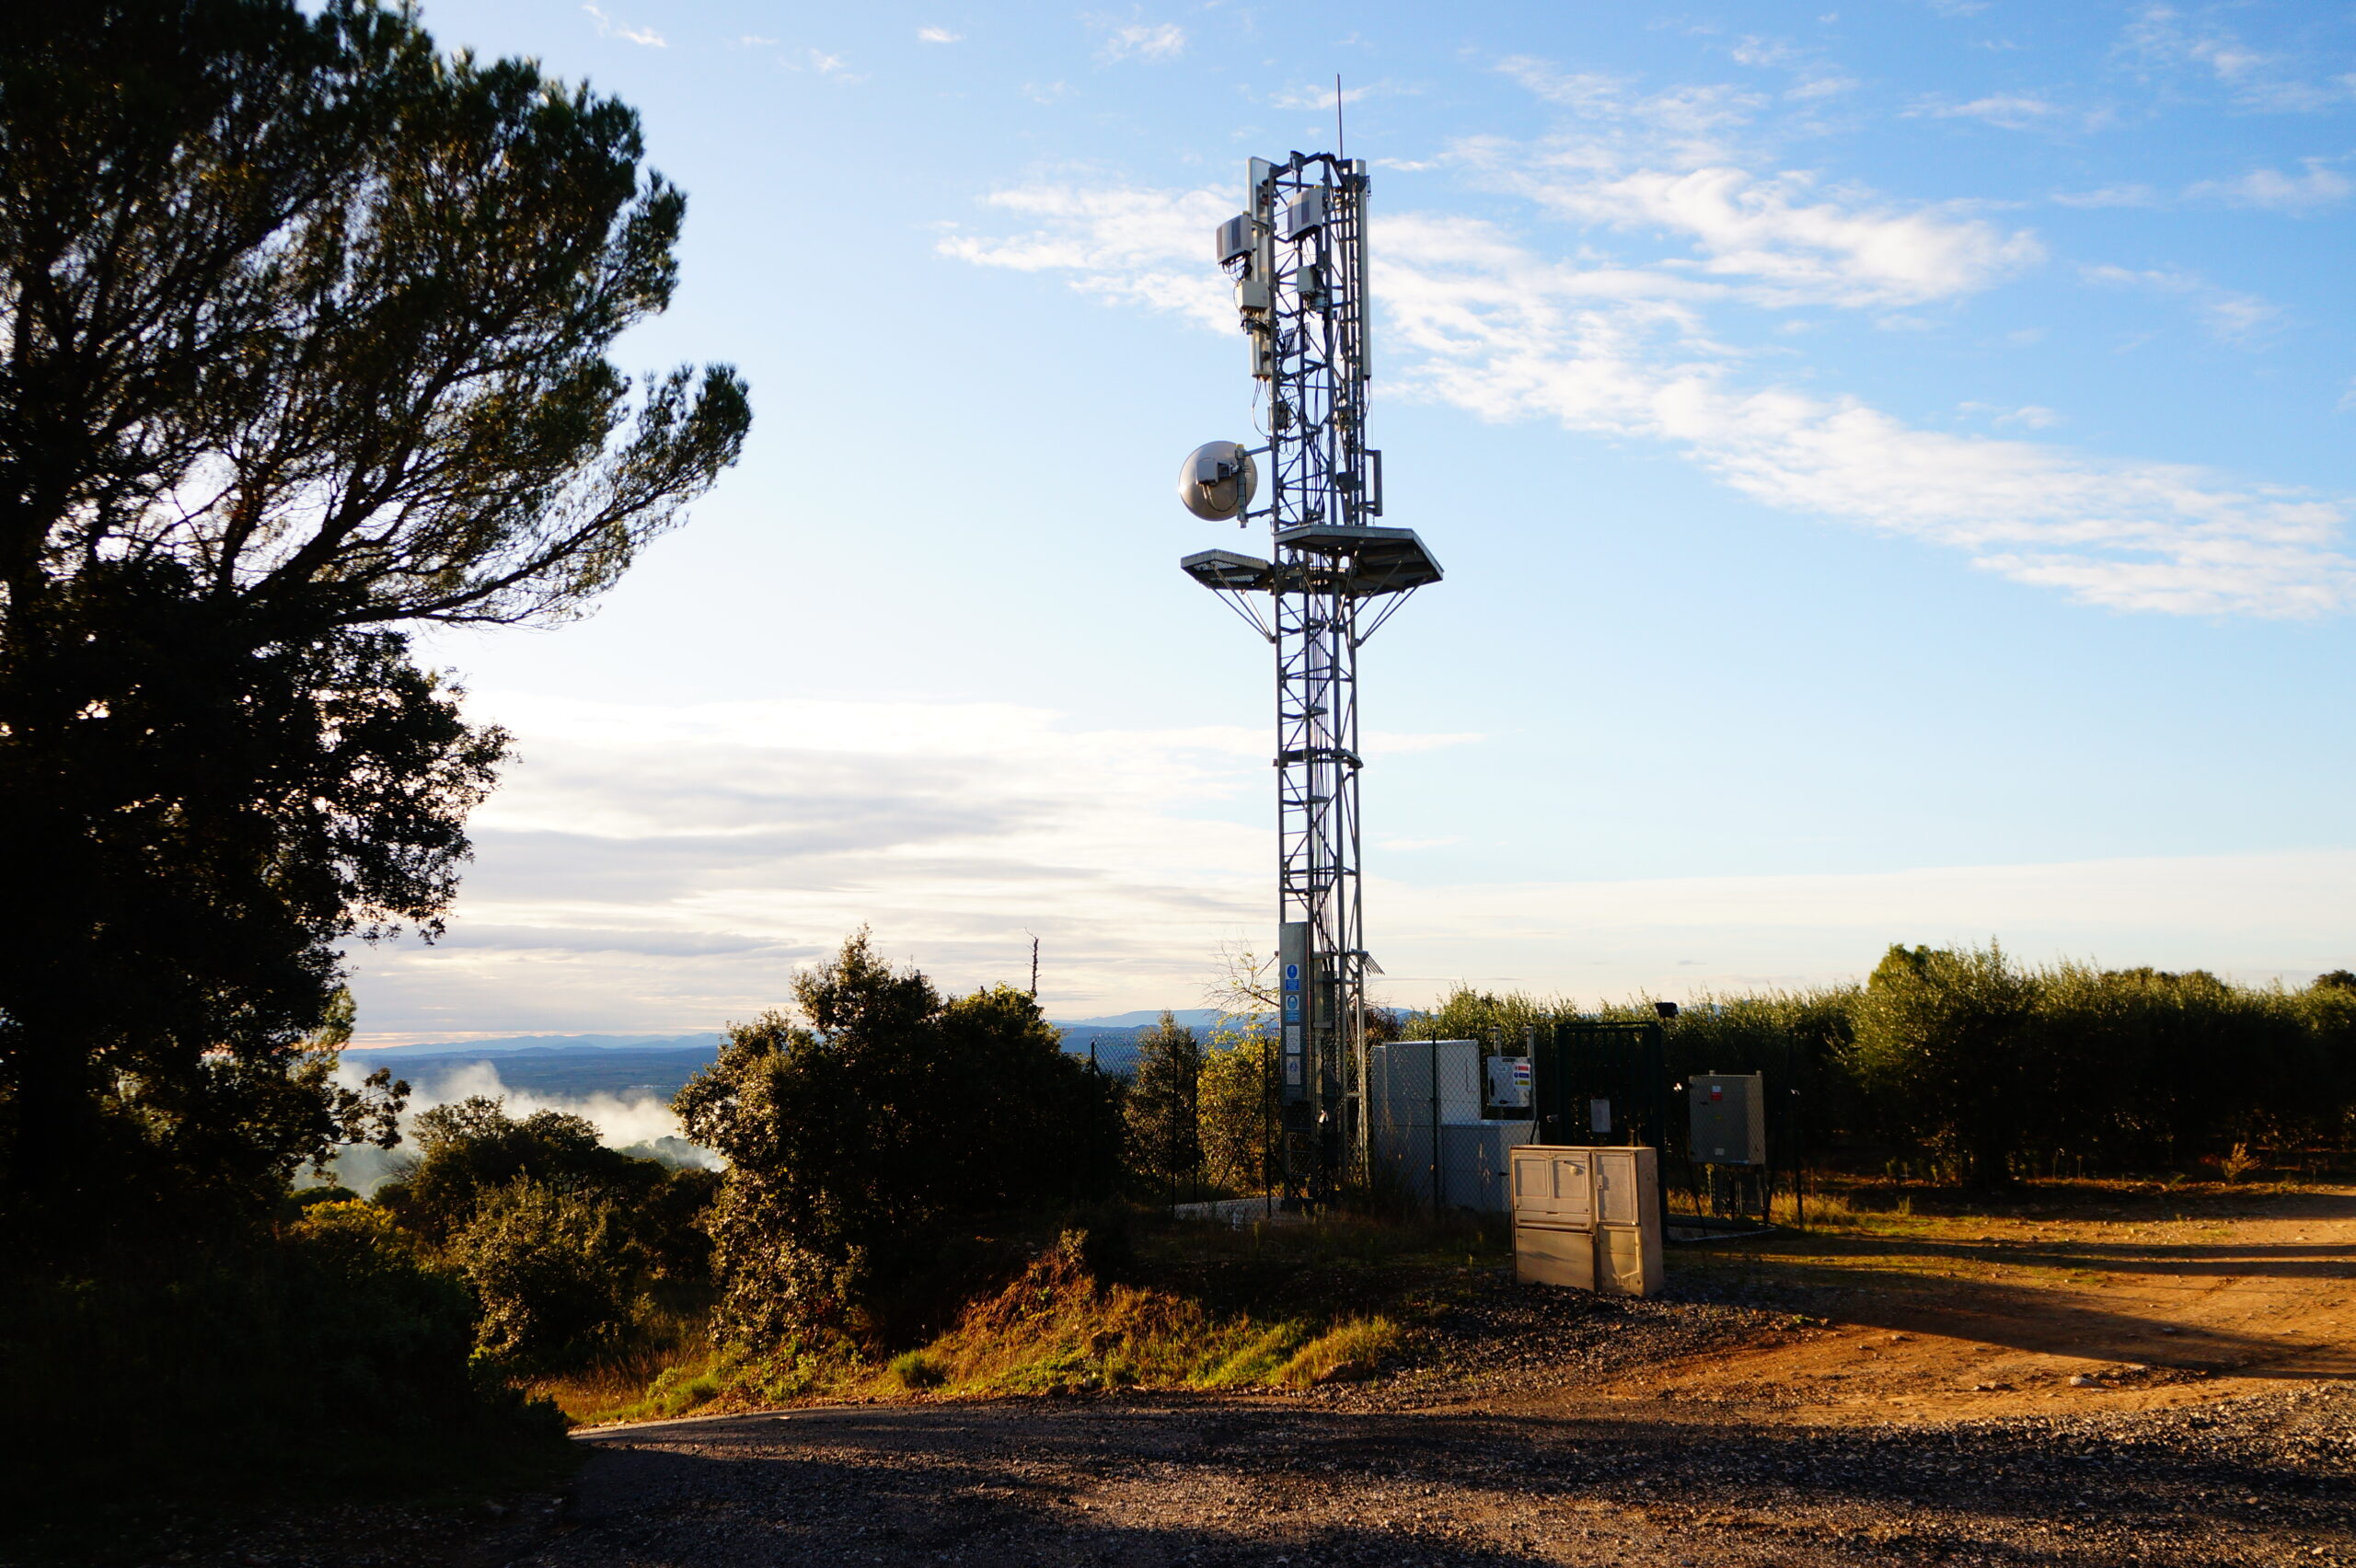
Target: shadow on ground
{"x": 1218, "y": 1483}
{"x": 2077, "y": 1300}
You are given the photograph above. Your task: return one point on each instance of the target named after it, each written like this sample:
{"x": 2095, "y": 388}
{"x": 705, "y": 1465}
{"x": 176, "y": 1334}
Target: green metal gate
{"x": 1603, "y": 1083}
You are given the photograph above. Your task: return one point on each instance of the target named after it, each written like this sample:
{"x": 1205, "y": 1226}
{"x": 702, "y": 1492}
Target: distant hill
{"x": 513, "y": 1042}
{"x": 1193, "y": 1017}
{"x": 635, "y": 1066}
{"x": 557, "y": 1066}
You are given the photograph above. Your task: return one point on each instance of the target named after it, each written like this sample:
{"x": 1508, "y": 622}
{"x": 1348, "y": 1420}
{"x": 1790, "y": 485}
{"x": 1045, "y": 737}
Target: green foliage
{"x": 1235, "y": 1103}
{"x": 916, "y": 1370}
{"x": 859, "y": 1144}
{"x": 307, "y": 331}
{"x": 471, "y": 1148}
{"x": 559, "y": 1238}
{"x": 1986, "y": 1067}
{"x": 1947, "y": 1043}
{"x": 1159, "y": 1111}
{"x": 206, "y": 1363}
{"x": 553, "y": 1271}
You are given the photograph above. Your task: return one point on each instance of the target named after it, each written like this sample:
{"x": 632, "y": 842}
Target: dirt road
{"x": 2156, "y": 1384}
{"x": 2156, "y": 1380}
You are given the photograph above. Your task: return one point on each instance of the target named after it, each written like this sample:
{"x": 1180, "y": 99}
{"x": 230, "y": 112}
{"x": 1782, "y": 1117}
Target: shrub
{"x": 1236, "y": 1104}
{"x": 1349, "y": 1350}
{"x": 1945, "y": 1040}
{"x": 915, "y": 1369}
{"x": 861, "y": 1146}
{"x": 1161, "y": 1113}
{"x": 553, "y": 1271}
{"x": 227, "y": 1363}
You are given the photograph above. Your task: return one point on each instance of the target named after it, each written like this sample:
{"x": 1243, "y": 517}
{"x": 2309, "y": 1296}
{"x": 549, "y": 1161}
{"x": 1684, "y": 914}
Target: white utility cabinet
{"x": 1587, "y": 1217}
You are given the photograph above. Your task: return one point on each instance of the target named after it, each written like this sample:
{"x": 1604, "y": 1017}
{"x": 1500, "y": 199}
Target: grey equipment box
{"x": 1587, "y": 1217}
{"x": 1730, "y": 1119}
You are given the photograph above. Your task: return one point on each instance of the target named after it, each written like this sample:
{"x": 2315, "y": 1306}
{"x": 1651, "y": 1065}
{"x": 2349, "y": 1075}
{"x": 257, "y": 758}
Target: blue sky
{"x": 1891, "y": 465}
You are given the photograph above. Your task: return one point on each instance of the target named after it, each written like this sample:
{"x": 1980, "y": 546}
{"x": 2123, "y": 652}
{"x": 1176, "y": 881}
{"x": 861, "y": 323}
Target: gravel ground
{"x": 1490, "y": 1444}
{"x": 2266, "y": 1479}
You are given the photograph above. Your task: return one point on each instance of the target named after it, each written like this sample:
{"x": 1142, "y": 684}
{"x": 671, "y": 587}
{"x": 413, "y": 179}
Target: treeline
{"x": 1984, "y": 1068}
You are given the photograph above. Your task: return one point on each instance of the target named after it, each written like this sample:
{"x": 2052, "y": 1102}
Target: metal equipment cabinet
{"x": 1730, "y": 1119}
{"x": 1587, "y": 1217}
{"x": 1554, "y": 1216}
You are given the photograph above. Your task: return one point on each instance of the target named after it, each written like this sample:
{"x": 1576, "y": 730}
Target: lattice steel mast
{"x": 1298, "y": 254}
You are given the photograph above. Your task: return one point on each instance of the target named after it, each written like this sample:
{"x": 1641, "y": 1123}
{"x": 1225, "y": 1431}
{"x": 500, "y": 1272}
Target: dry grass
{"x": 665, "y": 1368}
{"x": 1058, "y": 1329}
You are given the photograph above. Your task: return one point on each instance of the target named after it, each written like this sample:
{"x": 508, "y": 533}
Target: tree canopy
{"x": 855, "y": 1140}
{"x": 304, "y": 337}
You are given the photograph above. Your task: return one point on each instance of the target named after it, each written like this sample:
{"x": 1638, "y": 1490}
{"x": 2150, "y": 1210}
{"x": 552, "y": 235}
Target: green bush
{"x": 861, "y": 1147}
{"x": 554, "y": 1273}
{"x": 915, "y": 1371}
{"x": 223, "y": 1364}
{"x": 1988, "y": 1068}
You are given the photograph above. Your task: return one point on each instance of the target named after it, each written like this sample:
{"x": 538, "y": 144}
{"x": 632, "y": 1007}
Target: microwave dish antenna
{"x": 1217, "y": 480}
{"x": 1297, "y": 255}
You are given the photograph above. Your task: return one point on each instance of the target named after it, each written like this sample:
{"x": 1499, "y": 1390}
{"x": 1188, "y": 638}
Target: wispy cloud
{"x": 1786, "y": 240}
{"x": 1318, "y": 98}
{"x": 1674, "y": 162}
{"x": 2163, "y": 42}
{"x": 2013, "y": 111}
{"x": 2319, "y": 186}
{"x": 1141, "y": 247}
{"x": 834, "y": 67}
{"x": 2232, "y": 316}
{"x": 940, "y": 35}
{"x": 1480, "y": 321}
{"x": 2130, "y": 195}
{"x": 1138, "y": 39}
{"x": 608, "y": 27}
{"x": 2029, "y": 416}
{"x": 665, "y": 869}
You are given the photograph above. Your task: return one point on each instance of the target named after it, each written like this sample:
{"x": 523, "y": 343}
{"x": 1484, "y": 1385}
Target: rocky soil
{"x": 2159, "y": 1388}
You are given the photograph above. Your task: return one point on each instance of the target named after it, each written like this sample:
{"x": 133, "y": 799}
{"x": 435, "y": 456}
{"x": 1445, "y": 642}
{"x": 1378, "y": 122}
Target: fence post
{"x": 1433, "y": 1084}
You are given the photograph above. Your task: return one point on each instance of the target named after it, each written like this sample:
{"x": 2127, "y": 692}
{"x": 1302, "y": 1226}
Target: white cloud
{"x": 2031, "y": 416}
{"x": 608, "y": 27}
{"x": 664, "y": 869}
{"x": 832, "y": 67}
{"x": 2162, "y": 40}
{"x": 2111, "y": 196}
{"x": 2320, "y": 185}
{"x": 2232, "y": 316}
{"x": 1811, "y": 89}
{"x": 1686, "y": 125}
{"x": 1319, "y": 98}
{"x": 940, "y": 35}
{"x": 2013, "y": 111}
{"x": 1138, "y": 39}
{"x": 1668, "y": 162}
{"x": 620, "y": 1123}
{"x": 1792, "y": 245}
{"x": 1145, "y": 246}
{"x": 1477, "y": 319}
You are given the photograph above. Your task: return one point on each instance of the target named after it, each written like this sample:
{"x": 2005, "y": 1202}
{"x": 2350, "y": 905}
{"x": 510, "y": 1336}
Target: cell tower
{"x": 1298, "y": 256}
